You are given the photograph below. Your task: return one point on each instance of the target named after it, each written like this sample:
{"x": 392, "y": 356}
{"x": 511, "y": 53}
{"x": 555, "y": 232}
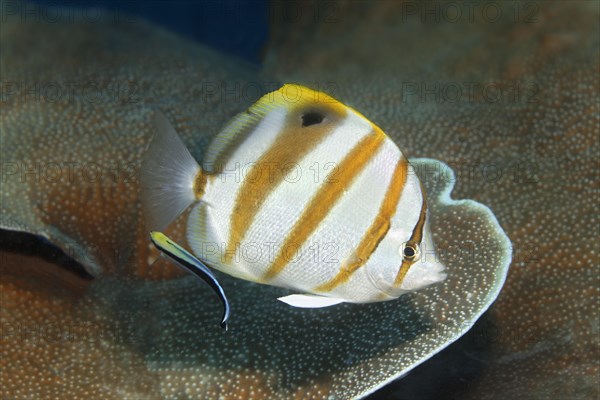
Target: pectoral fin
{"x": 309, "y": 301}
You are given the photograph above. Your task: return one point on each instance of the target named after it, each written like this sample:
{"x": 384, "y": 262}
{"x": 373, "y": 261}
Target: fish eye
{"x": 312, "y": 118}
{"x": 410, "y": 252}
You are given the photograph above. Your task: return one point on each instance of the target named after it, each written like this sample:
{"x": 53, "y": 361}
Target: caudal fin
{"x": 167, "y": 176}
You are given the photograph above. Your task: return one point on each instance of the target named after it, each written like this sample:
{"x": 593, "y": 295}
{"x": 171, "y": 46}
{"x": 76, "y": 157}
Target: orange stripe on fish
{"x": 376, "y": 231}
{"x": 326, "y": 198}
{"x": 199, "y": 184}
{"x": 286, "y": 150}
{"x": 415, "y": 240}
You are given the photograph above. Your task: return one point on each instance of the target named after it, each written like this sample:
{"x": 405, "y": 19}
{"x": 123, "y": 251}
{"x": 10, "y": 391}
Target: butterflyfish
{"x": 300, "y": 191}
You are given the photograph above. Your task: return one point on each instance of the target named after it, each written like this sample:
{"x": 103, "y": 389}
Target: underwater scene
{"x": 387, "y": 199}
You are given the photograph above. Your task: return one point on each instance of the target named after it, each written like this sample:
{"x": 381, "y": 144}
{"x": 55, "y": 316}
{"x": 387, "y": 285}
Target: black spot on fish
{"x": 312, "y": 118}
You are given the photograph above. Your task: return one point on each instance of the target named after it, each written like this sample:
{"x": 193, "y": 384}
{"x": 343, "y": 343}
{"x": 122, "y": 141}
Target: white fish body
{"x": 302, "y": 192}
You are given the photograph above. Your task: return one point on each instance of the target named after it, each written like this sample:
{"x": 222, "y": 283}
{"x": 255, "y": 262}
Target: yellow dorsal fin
{"x": 243, "y": 124}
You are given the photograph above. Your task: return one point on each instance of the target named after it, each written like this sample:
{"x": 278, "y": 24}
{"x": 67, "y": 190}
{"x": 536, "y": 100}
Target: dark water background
{"x": 238, "y": 27}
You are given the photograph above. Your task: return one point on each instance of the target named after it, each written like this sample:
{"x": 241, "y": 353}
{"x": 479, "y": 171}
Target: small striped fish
{"x": 299, "y": 191}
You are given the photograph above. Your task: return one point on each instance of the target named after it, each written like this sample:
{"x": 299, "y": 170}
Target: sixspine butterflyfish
{"x": 299, "y": 191}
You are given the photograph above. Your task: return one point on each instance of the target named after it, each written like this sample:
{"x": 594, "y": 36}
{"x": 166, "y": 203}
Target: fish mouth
{"x": 388, "y": 290}
{"x": 436, "y": 274}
